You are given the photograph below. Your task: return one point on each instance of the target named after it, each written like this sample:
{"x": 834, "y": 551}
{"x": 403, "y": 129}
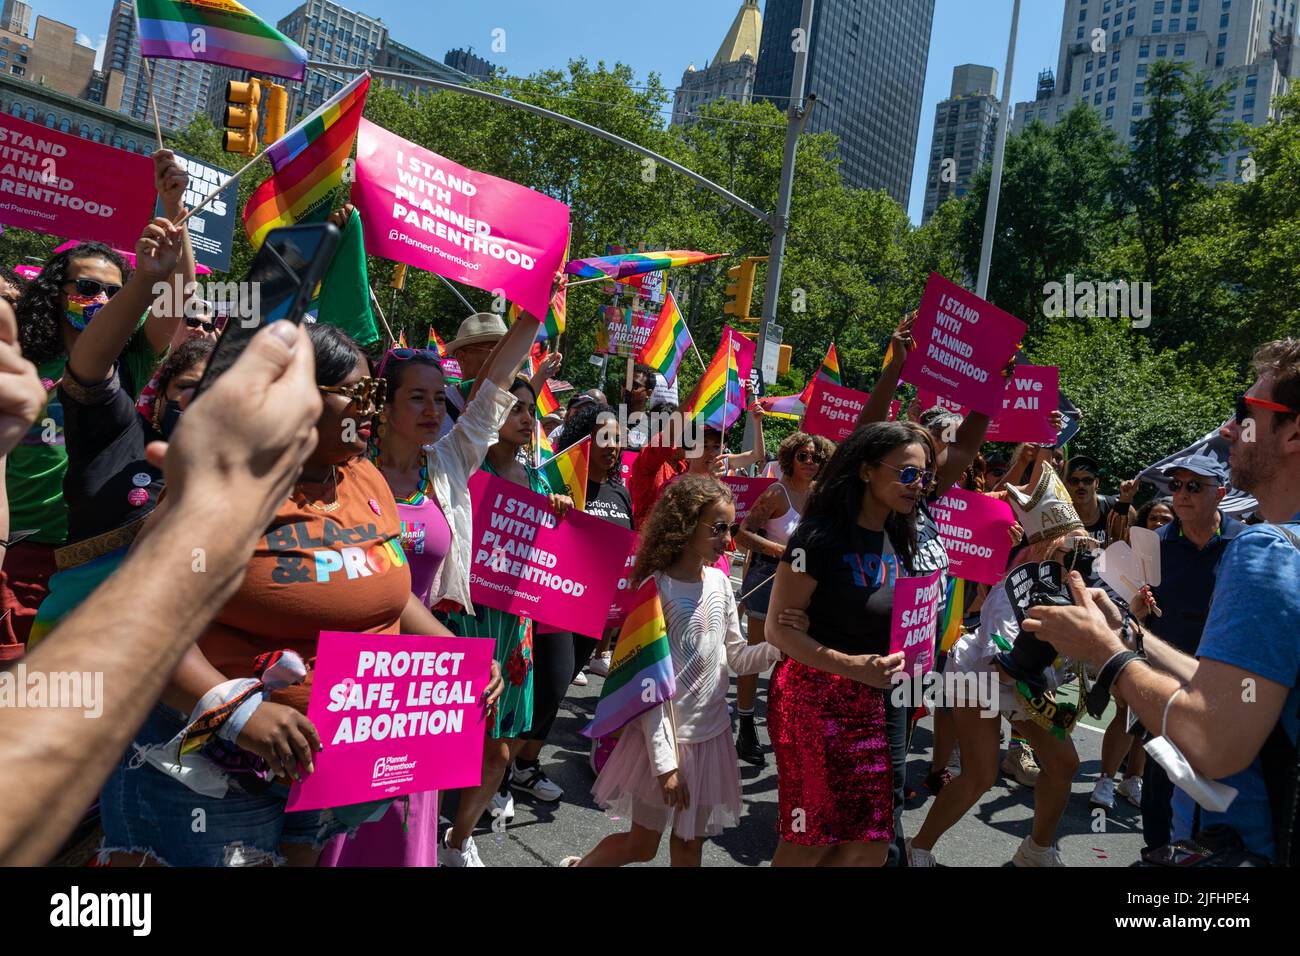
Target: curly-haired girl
{"x": 676, "y": 762}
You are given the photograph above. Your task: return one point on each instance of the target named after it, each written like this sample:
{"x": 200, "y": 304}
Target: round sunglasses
{"x": 911, "y": 474}
{"x": 719, "y": 528}
{"x": 806, "y": 459}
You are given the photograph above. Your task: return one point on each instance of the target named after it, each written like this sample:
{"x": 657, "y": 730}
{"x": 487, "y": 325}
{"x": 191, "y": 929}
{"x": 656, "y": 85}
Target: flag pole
{"x": 148, "y": 72}
{"x": 375, "y": 302}
{"x": 220, "y": 189}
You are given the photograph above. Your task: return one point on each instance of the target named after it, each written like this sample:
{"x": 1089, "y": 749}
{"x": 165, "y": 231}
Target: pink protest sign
{"x": 628, "y": 329}
{"x": 974, "y": 532}
{"x": 833, "y": 410}
{"x": 625, "y": 592}
{"x": 422, "y": 209}
{"x": 916, "y": 606}
{"x": 62, "y": 184}
{"x": 744, "y": 349}
{"x": 396, "y": 713}
{"x": 962, "y": 345}
{"x": 746, "y": 491}
{"x": 1027, "y": 406}
{"x": 528, "y": 562}
{"x": 629, "y": 459}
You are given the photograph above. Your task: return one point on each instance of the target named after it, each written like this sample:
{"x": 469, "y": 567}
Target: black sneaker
{"x": 747, "y": 746}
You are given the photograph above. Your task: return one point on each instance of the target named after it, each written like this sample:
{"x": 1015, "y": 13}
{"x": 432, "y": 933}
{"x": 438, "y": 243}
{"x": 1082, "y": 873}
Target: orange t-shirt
{"x": 317, "y": 571}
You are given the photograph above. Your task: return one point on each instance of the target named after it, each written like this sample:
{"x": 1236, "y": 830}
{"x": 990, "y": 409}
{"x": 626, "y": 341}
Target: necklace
{"x": 418, "y": 496}
{"x": 326, "y": 507}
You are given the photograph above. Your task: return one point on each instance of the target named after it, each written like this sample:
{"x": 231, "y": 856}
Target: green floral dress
{"x": 514, "y": 645}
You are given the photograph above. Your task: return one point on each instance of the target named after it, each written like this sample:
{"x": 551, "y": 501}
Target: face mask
{"x": 171, "y": 418}
{"x": 81, "y": 309}
{"x": 1210, "y": 794}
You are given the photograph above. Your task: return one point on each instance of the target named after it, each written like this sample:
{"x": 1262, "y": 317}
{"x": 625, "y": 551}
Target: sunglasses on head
{"x": 911, "y": 475}
{"x": 91, "y": 288}
{"x": 1244, "y": 402}
{"x": 805, "y": 458}
{"x": 216, "y": 325}
{"x": 367, "y": 394}
{"x": 719, "y": 528}
{"x": 405, "y": 355}
{"x": 1192, "y": 485}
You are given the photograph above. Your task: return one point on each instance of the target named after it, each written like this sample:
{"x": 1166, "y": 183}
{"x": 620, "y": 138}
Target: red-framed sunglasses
{"x": 1245, "y": 402}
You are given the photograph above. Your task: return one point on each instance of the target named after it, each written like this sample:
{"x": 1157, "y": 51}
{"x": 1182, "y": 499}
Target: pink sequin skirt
{"x": 834, "y": 777}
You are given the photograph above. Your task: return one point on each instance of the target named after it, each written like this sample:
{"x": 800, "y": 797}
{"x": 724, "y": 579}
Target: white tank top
{"x": 780, "y": 529}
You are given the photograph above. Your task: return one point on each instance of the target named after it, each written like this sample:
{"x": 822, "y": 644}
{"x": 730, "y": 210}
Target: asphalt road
{"x": 542, "y": 834}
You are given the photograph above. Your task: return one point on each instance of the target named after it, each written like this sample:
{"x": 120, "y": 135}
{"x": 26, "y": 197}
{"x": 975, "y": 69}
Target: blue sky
{"x": 663, "y": 36}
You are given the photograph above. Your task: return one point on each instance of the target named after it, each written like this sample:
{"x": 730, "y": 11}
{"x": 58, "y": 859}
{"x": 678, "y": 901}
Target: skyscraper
{"x": 730, "y": 75}
{"x": 965, "y": 128}
{"x": 469, "y": 63}
{"x": 333, "y": 34}
{"x": 400, "y": 58}
{"x": 866, "y": 66}
{"x": 180, "y": 87}
{"x": 16, "y": 16}
{"x": 1107, "y": 48}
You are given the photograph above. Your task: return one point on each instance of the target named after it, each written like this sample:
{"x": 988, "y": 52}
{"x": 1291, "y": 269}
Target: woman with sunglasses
{"x": 765, "y": 532}
{"x": 331, "y": 560}
{"x": 429, "y": 478}
{"x": 53, "y": 311}
{"x": 1055, "y": 533}
{"x": 676, "y": 763}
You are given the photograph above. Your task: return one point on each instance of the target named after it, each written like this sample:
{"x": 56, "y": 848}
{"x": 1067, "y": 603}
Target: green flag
{"x": 344, "y": 296}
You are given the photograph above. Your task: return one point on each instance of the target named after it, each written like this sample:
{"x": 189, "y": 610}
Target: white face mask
{"x": 1210, "y": 794}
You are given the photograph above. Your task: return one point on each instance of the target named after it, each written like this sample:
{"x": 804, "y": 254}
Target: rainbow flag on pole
{"x": 636, "y": 263}
{"x": 784, "y": 406}
{"x": 554, "y": 322}
{"x": 668, "y": 341}
{"x": 436, "y": 344}
{"x": 217, "y": 31}
{"x": 308, "y": 162}
{"x": 567, "y": 472}
{"x": 830, "y": 372}
{"x": 542, "y": 447}
{"x": 717, "y": 397}
{"x": 641, "y": 655}
{"x": 547, "y": 403}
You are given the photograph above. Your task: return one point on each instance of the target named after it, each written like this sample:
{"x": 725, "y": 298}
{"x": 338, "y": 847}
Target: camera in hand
{"x": 1033, "y": 585}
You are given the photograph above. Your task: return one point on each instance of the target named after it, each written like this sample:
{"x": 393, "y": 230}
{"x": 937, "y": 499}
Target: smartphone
{"x": 284, "y": 274}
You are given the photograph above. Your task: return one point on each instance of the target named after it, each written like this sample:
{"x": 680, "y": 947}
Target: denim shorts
{"x": 756, "y": 589}
{"x": 145, "y": 812}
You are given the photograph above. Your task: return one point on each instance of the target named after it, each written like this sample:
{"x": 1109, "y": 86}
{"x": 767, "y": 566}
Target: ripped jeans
{"x": 145, "y": 812}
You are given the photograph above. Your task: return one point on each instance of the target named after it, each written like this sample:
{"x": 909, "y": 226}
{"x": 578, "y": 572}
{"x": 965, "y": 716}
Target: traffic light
{"x": 399, "y": 277}
{"x": 740, "y": 291}
{"x": 277, "y": 109}
{"x": 242, "y": 100}
{"x": 783, "y": 361}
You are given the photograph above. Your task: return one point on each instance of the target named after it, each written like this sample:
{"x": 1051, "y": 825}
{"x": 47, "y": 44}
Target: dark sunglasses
{"x": 90, "y": 288}
{"x": 1245, "y": 401}
{"x": 719, "y": 528}
{"x": 806, "y": 459}
{"x": 216, "y": 325}
{"x": 1084, "y": 480}
{"x": 1192, "y": 485}
{"x": 367, "y": 395}
{"x": 911, "y": 474}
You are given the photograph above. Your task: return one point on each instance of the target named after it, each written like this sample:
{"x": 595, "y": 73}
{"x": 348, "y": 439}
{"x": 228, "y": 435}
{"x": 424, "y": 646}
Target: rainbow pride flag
{"x": 668, "y": 341}
{"x": 542, "y": 447}
{"x": 717, "y": 397}
{"x": 217, "y": 31}
{"x": 642, "y": 654}
{"x": 784, "y": 406}
{"x": 436, "y": 344}
{"x": 830, "y": 372}
{"x": 554, "y": 322}
{"x": 547, "y": 403}
{"x": 950, "y": 627}
{"x": 308, "y": 162}
{"x": 401, "y": 340}
{"x": 567, "y": 472}
{"x": 635, "y": 263}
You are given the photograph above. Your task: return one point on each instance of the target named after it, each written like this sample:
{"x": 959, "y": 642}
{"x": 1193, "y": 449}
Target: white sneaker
{"x": 502, "y": 805}
{"x": 600, "y": 665}
{"x": 1130, "y": 789}
{"x": 534, "y": 780}
{"x": 466, "y": 856}
{"x": 1103, "y": 794}
{"x": 918, "y": 857}
{"x": 1031, "y": 854}
{"x": 580, "y": 680}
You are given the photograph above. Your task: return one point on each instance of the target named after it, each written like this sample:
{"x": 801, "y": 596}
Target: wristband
{"x": 1099, "y": 695}
{"x": 234, "y": 724}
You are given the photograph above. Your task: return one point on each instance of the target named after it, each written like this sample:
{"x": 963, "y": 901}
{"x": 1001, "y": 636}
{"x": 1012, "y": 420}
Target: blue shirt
{"x": 1187, "y": 576}
{"x": 1254, "y": 624}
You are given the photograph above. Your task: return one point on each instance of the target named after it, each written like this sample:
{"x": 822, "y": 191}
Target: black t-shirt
{"x": 931, "y": 555}
{"x": 109, "y": 484}
{"x": 855, "y": 569}
{"x": 611, "y": 501}
{"x": 1105, "y": 505}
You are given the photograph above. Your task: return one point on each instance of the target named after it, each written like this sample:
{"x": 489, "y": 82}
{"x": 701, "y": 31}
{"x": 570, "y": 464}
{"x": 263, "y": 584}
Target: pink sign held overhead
{"x": 833, "y": 410}
{"x": 396, "y": 714}
{"x": 525, "y": 561}
{"x": 1027, "y": 406}
{"x": 974, "y": 530}
{"x": 746, "y": 491}
{"x": 68, "y": 186}
{"x": 915, "y": 622}
{"x": 962, "y": 345}
{"x": 422, "y": 209}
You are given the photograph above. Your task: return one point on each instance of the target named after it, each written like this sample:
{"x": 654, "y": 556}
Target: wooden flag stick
{"x": 375, "y": 302}
{"x": 148, "y": 72}
{"x": 220, "y": 189}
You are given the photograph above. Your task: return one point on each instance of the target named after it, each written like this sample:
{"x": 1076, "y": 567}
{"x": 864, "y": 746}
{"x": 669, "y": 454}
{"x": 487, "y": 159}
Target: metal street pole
{"x": 796, "y": 116}
{"x": 999, "y": 151}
